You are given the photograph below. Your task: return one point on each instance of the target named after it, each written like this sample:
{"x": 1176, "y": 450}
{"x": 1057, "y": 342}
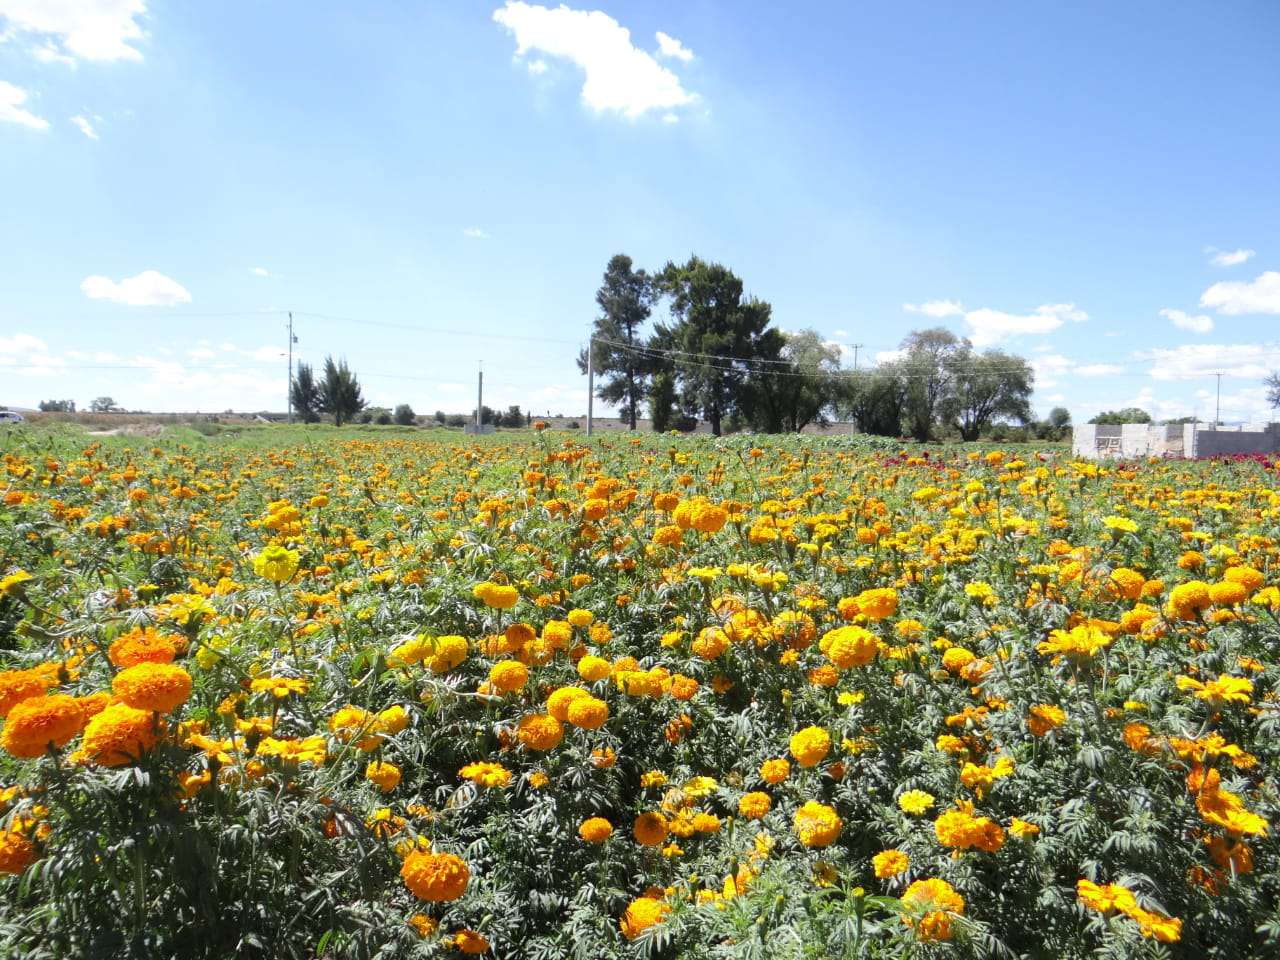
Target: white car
{"x": 11, "y": 416}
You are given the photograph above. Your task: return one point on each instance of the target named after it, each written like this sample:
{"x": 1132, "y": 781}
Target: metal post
{"x": 591, "y": 380}
{"x": 856, "y": 348}
{"x": 1217, "y": 404}
{"x": 479, "y": 396}
{"x": 292, "y": 341}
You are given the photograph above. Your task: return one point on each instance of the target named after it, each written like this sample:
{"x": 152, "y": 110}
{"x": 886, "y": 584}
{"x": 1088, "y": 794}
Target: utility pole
{"x": 856, "y": 348}
{"x": 591, "y": 379}
{"x": 479, "y": 396}
{"x": 1217, "y": 404}
{"x": 292, "y": 341}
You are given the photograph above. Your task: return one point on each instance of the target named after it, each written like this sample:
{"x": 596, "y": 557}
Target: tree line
{"x": 719, "y": 358}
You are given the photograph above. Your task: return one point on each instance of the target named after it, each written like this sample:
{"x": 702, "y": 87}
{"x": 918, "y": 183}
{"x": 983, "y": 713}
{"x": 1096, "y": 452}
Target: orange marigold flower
{"x": 436, "y": 877}
{"x": 642, "y": 914}
{"x": 595, "y": 830}
{"x": 161, "y": 687}
{"x": 118, "y": 735}
{"x": 810, "y": 746}
{"x": 40, "y": 723}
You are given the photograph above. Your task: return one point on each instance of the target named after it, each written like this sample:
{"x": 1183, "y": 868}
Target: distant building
{"x": 1134, "y": 440}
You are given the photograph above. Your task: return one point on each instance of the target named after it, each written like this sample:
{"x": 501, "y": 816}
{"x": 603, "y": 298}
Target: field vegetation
{"x": 360, "y": 693}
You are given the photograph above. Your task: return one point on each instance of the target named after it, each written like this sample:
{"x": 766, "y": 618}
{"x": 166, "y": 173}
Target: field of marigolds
{"x": 340, "y": 694}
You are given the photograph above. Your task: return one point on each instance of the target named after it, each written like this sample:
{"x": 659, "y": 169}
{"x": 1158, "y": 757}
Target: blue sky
{"x": 428, "y": 185}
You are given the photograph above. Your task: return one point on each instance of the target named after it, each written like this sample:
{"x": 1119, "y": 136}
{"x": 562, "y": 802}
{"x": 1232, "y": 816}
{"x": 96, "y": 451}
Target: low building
{"x": 1138, "y": 440}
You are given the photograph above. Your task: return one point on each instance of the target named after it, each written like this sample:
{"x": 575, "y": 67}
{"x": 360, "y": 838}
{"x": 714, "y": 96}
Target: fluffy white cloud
{"x": 672, "y": 48}
{"x": 147, "y": 289}
{"x": 989, "y": 326}
{"x": 620, "y": 77}
{"x": 87, "y": 29}
{"x": 1229, "y": 258}
{"x": 85, "y": 126}
{"x": 1199, "y": 323}
{"x": 890, "y": 356}
{"x": 1250, "y": 361}
{"x": 1236, "y": 297}
{"x": 935, "y": 308}
{"x": 475, "y": 233}
{"x": 11, "y": 110}
{"x": 259, "y": 271}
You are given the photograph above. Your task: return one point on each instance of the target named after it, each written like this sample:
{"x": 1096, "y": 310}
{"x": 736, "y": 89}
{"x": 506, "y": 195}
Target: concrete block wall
{"x": 1138, "y": 440}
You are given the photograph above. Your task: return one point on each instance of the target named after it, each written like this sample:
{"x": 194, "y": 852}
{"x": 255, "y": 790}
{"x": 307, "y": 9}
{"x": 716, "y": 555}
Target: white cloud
{"x": 620, "y": 77}
{"x": 989, "y": 326}
{"x": 1199, "y": 323}
{"x": 48, "y": 53}
{"x": 842, "y": 334}
{"x": 890, "y": 356}
{"x": 87, "y": 29}
{"x": 538, "y": 67}
{"x": 1250, "y": 361}
{"x": 1237, "y": 297}
{"x": 147, "y": 289}
{"x": 11, "y": 100}
{"x": 672, "y": 48}
{"x": 259, "y": 271}
{"x": 27, "y": 356}
{"x": 85, "y": 126}
{"x": 1229, "y": 258}
{"x": 475, "y": 233}
{"x": 1098, "y": 370}
{"x": 935, "y": 308}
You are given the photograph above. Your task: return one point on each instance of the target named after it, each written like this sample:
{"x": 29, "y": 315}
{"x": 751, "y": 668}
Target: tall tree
{"x": 340, "y": 391}
{"x": 983, "y": 386}
{"x": 716, "y": 333}
{"x": 621, "y": 366}
{"x": 662, "y": 400}
{"x": 1272, "y": 383}
{"x": 929, "y": 375}
{"x": 796, "y": 379}
{"x": 876, "y": 399}
{"x": 1127, "y": 415}
{"x": 305, "y": 394}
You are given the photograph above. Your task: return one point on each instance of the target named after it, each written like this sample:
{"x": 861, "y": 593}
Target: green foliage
{"x": 339, "y": 392}
{"x": 1127, "y": 415}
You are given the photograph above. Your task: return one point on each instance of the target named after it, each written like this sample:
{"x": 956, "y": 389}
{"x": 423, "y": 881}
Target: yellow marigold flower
{"x": 710, "y": 643}
{"x": 810, "y": 746}
{"x": 641, "y": 914}
{"x": 385, "y": 776}
{"x": 42, "y": 723}
{"x": 484, "y": 774}
{"x": 984, "y": 593}
{"x": 938, "y": 901}
{"x": 775, "y": 771}
{"x": 1044, "y": 717}
{"x": 580, "y": 618}
{"x": 915, "y": 801}
{"x": 592, "y": 668}
{"x": 448, "y": 651}
{"x": 423, "y": 925}
{"x": 153, "y": 686}
{"x": 890, "y": 863}
{"x": 1220, "y": 692}
{"x": 1084, "y": 640}
{"x": 955, "y": 659}
{"x": 595, "y": 830}
{"x": 816, "y": 824}
{"x": 1186, "y": 599}
{"x": 120, "y": 734}
{"x": 276, "y": 563}
{"x": 1023, "y": 829}
{"x": 960, "y": 829}
{"x": 753, "y": 806}
{"x": 12, "y": 584}
{"x": 495, "y": 595}
{"x": 437, "y": 877}
{"x": 878, "y": 604}
{"x": 1122, "y": 524}
{"x": 650, "y": 829}
{"x": 588, "y": 713}
{"x": 849, "y": 646}
{"x": 561, "y": 698}
{"x": 508, "y": 676}
{"x": 280, "y": 687}
{"x": 1127, "y": 583}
